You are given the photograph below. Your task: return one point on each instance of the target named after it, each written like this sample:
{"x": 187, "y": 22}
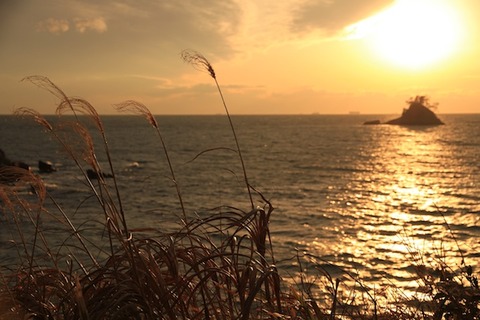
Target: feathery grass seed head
{"x": 27, "y": 112}
{"x": 138, "y": 108}
{"x": 78, "y": 142}
{"x": 82, "y": 106}
{"x": 45, "y": 83}
{"x": 198, "y": 61}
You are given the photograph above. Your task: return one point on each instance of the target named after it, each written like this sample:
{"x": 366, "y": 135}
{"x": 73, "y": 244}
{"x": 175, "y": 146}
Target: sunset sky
{"x": 271, "y": 57}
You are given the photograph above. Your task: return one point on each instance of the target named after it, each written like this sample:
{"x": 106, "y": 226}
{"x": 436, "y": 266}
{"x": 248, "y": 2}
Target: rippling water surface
{"x": 365, "y": 199}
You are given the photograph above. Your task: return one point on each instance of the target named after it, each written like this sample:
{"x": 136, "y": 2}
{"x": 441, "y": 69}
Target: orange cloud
{"x": 96, "y": 24}
{"x": 53, "y": 25}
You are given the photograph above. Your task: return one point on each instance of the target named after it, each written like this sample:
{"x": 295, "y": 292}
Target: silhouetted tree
{"x": 424, "y": 101}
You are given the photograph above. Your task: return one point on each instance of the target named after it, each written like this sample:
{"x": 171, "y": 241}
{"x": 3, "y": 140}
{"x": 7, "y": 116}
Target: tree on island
{"x": 422, "y": 101}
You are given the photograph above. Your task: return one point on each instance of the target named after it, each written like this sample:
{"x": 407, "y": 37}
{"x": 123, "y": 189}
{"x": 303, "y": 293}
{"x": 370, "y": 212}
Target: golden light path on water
{"x": 402, "y": 223}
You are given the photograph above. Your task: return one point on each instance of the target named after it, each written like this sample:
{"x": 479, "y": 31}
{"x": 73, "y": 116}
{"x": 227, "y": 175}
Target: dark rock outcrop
{"x": 93, "y": 175}
{"x": 11, "y": 171}
{"x": 372, "y": 122}
{"x": 46, "y": 167}
{"x": 5, "y": 162}
{"x": 417, "y": 114}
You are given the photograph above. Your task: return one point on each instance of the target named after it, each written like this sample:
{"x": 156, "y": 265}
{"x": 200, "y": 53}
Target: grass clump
{"x": 220, "y": 266}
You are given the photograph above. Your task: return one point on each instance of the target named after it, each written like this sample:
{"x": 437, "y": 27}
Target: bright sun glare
{"x": 413, "y": 33}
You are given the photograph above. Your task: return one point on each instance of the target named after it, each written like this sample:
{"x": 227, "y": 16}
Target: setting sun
{"x": 414, "y": 34}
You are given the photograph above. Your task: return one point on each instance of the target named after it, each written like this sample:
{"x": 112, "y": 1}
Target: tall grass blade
{"x": 139, "y": 108}
{"x": 199, "y": 62}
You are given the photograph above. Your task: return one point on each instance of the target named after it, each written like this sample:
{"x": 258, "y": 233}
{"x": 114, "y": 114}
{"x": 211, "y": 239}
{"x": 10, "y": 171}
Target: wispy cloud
{"x": 52, "y": 25}
{"x": 96, "y": 24}
{"x": 82, "y": 25}
{"x": 332, "y": 16}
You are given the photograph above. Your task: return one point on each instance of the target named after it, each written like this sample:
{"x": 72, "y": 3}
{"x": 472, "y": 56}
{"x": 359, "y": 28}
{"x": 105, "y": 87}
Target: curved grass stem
{"x": 201, "y": 63}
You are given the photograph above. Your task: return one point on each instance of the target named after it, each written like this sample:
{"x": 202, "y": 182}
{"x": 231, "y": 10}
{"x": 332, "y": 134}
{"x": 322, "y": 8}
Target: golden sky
{"x": 271, "y": 57}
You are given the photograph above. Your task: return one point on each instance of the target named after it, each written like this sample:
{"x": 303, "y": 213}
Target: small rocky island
{"x": 419, "y": 113}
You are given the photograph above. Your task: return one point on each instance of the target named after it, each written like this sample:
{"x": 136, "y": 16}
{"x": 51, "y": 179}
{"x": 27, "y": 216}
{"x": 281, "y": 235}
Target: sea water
{"x": 369, "y": 201}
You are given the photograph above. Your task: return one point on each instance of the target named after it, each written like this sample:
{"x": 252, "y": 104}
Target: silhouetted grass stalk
{"x": 200, "y": 62}
{"x": 191, "y": 268}
{"x": 80, "y": 105}
{"x": 67, "y": 146}
{"x": 139, "y": 108}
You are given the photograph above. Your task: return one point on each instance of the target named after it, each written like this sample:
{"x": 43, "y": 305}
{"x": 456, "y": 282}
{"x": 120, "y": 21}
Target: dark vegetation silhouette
{"x": 420, "y": 112}
{"x": 221, "y": 266}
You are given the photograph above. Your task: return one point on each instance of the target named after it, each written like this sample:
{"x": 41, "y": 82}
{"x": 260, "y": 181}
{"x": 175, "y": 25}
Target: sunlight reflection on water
{"x": 404, "y": 211}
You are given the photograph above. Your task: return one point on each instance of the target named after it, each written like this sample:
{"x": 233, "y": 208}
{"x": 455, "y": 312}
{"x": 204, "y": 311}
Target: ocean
{"x": 371, "y": 201}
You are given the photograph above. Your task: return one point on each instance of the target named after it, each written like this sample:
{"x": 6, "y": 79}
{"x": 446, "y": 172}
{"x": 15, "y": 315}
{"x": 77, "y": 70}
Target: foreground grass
{"x": 217, "y": 267}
